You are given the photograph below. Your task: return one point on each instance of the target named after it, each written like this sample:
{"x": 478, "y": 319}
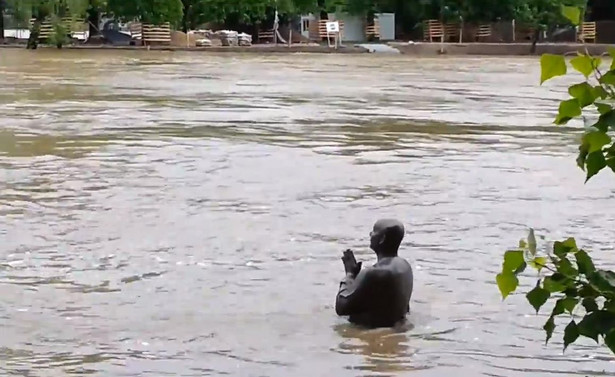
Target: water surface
{"x": 177, "y": 214}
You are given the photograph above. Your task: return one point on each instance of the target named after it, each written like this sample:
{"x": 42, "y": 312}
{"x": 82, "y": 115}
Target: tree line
{"x": 246, "y": 15}
{"x": 190, "y": 14}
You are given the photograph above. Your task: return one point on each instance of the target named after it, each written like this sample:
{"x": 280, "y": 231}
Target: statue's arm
{"x": 352, "y": 294}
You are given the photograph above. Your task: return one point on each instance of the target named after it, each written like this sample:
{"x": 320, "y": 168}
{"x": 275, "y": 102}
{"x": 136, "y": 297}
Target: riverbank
{"x": 259, "y": 49}
{"x": 497, "y": 49}
{"x": 406, "y": 48}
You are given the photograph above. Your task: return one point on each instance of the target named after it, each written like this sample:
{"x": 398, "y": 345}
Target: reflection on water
{"x": 176, "y": 214}
{"x": 386, "y": 351}
{"x": 13, "y": 145}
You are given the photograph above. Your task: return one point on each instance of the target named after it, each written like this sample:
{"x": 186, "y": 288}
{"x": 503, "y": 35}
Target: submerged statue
{"x": 378, "y": 296}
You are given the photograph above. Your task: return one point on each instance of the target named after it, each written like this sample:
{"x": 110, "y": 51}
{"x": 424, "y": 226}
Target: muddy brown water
{"x": 177, "y": 214}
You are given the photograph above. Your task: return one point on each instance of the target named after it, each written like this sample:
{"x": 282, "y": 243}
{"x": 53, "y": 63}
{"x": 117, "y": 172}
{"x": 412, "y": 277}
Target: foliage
{"x": 478, "y": 10}
{"x": 199, "y": 12}
{"x": 602, "y": 9}
{"x": 244, "y": 11}
{"x": 534, "y": 12}
{"x": 41, "y": 9}
{"x": 24, "y": 10}
{"x": 59, "y": 37}
{"x": 594, "y": 96}
{"x": 584, "y": 292}
{"x": 194, "y": 13}
{"x": 150, "y": 11}
{"x": 542, "y": 14}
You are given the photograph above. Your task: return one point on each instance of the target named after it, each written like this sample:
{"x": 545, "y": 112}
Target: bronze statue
{"x": 378, "y": 296}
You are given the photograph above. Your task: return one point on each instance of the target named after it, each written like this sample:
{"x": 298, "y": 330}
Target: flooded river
{"x": 177, "y": 214}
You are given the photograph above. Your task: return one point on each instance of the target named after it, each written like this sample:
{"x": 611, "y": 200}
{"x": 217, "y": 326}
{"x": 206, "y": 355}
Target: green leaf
{"x": 567, "y": 110}
{"x": 584, "y": 93}
{"x": 595, "y": 162}
{"x": 569, "y": 303}
{"x": 588, "y": 291}
{"x": 608, "y": 78}
{"x": 584, "y": 263}
{"x": 513, "y": 260}
{"x": 605, "y": 321}
{"x": 564, "y": 266}
{"x": 561, "y": 248}
{"x": 554, "y": 283}
{"x": 572, "y": 292}
{"x": 585, "y": 64}
{"x": 531, "y": 242}
{"x": 571, "y": 334}
{"x": 599, "y": 92}
{"x": 604, "y": 280}
{"x": 588, "y": 326}
{"x": 558, "y": 308}
{"x": 549, "y": 327}
{"x": 521, "y": 268}
{"x": 551, "y": 66}
{"x": 538, "y": 263}
{"x": 597, "y": 323}
{"x": 609, "y": 340}
{"x": 571, "y": 243}
{"x": 603, "y": 108}
{"x": 608, "y": 306}
{"x": 537, "y": 296}
{"x": 605, "y": 121}
{"x": 596, "y": 140}
{"x": 589, "y": 304}
{"x": 522, "y": 244}
{"x": 507, "y": 283}
{"x": 573, "y": 14}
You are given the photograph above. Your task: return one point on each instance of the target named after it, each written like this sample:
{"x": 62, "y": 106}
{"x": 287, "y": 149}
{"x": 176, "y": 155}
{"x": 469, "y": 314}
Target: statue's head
{"x": 386, "y": 237}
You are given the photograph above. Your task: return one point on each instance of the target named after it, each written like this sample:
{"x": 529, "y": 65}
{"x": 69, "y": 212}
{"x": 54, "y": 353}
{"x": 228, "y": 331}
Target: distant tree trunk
{"x": 1, "y": 21}
{"x": 371, "y": 16}
{"x": 34, "y": 33}
{"x": 185, "y": 16}
{"x": 535, "y": 40}
{"x": 93, "y": 20}
{"x": 232, "y": 21}
{"x": 323, "y": 11}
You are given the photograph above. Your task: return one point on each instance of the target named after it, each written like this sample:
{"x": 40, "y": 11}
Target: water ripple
{"x": 170, "y": 214}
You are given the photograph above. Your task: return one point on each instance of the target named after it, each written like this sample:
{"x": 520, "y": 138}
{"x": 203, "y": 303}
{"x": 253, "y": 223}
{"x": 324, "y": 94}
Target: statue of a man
{"x": 378, "y": 296}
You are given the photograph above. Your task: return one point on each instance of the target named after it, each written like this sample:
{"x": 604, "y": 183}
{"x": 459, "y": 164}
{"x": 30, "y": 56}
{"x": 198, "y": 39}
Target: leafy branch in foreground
{"x": 597, "y": 93}
{"x": 567, "y": 275}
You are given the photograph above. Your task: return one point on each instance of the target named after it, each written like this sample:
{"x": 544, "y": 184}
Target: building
{"x": 354, "y": 26}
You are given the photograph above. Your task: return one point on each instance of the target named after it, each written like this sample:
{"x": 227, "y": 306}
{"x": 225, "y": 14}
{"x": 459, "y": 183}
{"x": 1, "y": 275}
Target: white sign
{"x": 333, "y": 27}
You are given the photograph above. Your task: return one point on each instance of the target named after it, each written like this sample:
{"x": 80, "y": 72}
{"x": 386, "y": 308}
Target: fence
{"x": 509, "y": 32}
{"x": 151, "y": 34}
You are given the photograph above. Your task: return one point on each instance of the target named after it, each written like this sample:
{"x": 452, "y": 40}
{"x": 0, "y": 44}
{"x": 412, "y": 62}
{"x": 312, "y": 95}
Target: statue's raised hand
{"x": 350, "y": 263}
